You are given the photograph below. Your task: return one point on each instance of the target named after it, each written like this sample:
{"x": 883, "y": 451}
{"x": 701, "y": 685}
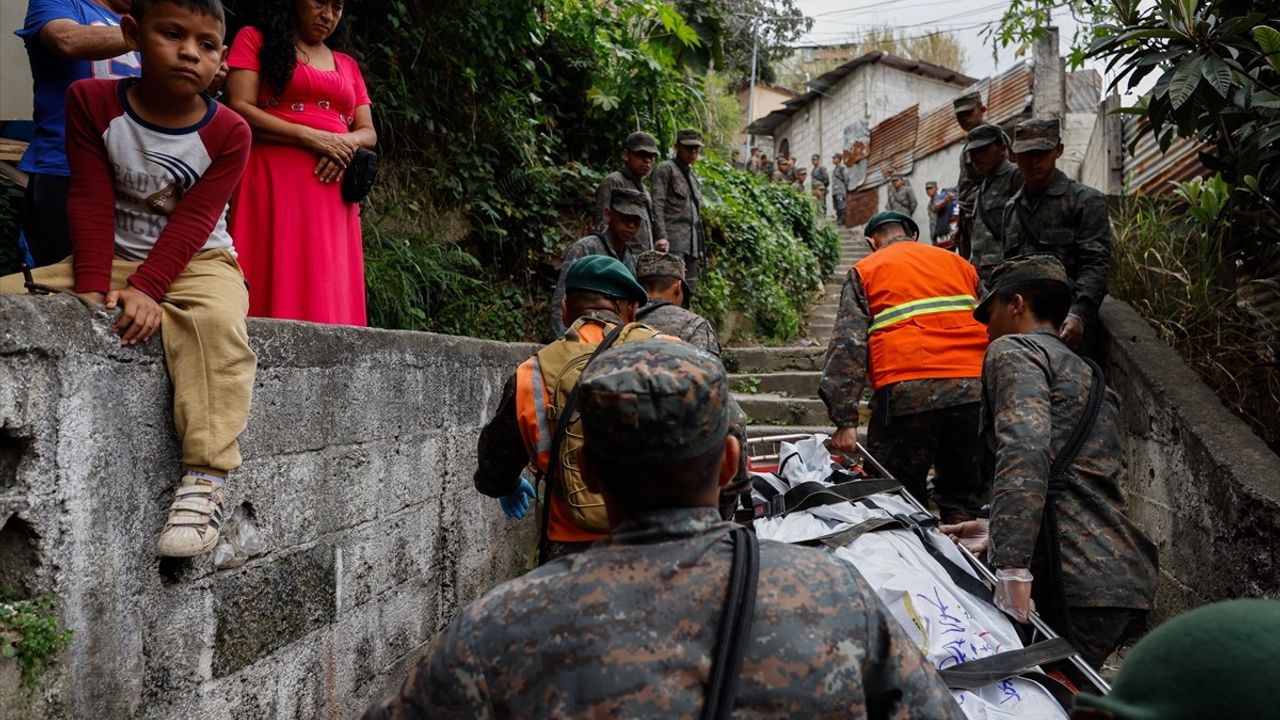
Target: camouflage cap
{"x": 984, "y": 135}
{"x": 654, "y": 401}
{"x": 692, "y": 138}
{"x": 605, "y": 275}
{"x": 1037, "y": 134}
{"x": 656, "y": 264}
{"x": 967, "y": 102}
{"x": 1020, "y": 271}
{"x": 629, "y": 201}
{"x": 642, "y": 142}
{"x": 891, "y": 216}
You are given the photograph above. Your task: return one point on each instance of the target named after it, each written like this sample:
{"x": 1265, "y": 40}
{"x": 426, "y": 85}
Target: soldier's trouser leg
{"x": 957, "y": 483}
{"x": 692, "y": 269}
{"x": 905, "y": 446}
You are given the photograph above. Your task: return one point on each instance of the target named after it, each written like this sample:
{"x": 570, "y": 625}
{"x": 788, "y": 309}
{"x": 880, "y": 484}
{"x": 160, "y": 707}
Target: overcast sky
{"x": 838, "y": 21}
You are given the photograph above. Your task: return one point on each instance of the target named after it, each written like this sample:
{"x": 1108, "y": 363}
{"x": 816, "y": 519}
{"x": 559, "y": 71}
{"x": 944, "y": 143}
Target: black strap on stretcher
{"x": 810, "y": 495}
{"x": 985, "y": 671}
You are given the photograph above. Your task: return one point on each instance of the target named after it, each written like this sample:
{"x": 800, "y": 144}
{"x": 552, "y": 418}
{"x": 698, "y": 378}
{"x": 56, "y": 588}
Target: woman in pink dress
{"x": 298, "y": 241}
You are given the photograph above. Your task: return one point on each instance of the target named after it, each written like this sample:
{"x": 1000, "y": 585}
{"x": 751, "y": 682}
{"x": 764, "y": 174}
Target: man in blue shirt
{"x": 67, "y": 40}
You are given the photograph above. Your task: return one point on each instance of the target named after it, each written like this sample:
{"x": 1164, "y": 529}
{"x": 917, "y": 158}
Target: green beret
{"x": 1217, "y": 661}
{"x": 1020, "y": 271}
{"x": 891, "y": 216}
{"x": 605, "y": 275}
{"x": 656, "y": 400}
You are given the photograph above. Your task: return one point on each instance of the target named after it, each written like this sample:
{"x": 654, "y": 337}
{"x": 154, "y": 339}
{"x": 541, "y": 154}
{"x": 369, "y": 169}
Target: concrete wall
{"x": 15, "y": 73}
{"x": 358, "y": 463}
{"x": 1198, "y": 481}
{"x": 1102, "y": 166}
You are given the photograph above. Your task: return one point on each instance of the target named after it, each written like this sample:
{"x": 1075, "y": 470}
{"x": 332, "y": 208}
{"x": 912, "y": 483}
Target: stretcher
{"x": 939, "y": 592}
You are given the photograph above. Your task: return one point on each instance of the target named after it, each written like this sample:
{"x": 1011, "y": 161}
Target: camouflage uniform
{"x": 624, "y": 178}
{"x": 902, "y": 199}
{"x": 677, "y": 210}
{"x": 666, "y": 317}
{"x": 819, "y": 174}
{"x": 626, "y": 201}
{"x": 915, "y": 424}
{"x": 839, "y": 191}
{"x": 986, "y": 234}
{"x": 1069, "y": 220}
{"x": 967, "y": 183}
{"x": 1034, "y": 391}
{"x": 629, "y": 627}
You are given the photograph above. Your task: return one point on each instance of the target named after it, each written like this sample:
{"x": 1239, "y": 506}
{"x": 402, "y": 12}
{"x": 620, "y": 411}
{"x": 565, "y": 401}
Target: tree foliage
{"x": 772, "y": 26}
{"x": 939, "y": 48}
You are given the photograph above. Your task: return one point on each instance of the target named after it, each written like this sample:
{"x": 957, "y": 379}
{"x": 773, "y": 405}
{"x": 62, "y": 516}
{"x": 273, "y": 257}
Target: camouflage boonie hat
{"x": 654, "y": 401}
{"x": 656, "y": 264}
{"x": 967, "y": 102}
{"x": 642, "y": 142}
{"x": 1020, "y": 271}
{"x": 628, "y": 202}
{"x": 984, "y": 135}
{"x": 1037, "y": 134}
{"x": 691, "y": 138}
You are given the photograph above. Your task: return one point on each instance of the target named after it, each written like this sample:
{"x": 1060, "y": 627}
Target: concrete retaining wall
{"x": 358, "y": 463}
{"x": 1201, "y": 484}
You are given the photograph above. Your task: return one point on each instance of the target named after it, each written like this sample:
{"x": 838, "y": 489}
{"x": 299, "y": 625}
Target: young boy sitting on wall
{"x": 153, "y": 162}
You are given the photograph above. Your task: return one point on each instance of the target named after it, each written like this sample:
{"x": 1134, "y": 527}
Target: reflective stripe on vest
{"x": 924, "y": 306}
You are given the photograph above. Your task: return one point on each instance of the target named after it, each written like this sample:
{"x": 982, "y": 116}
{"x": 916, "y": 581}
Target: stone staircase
{"x": 778, "y": 386}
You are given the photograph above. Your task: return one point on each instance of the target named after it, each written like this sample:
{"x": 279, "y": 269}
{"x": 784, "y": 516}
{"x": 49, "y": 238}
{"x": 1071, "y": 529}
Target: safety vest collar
{"x": 923, "y": 306}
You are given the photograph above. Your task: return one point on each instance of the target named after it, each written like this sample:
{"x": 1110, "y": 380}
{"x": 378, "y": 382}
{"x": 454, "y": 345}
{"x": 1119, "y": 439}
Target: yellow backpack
{"x": 562, "y": 364}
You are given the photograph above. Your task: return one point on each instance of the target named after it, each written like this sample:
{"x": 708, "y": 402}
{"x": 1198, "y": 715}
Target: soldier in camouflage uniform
{"x": 627, "y": 208}
{"x": 1035, "y": 390}
{"x": 902, "y": 198}
{"x": 970, "y": 113}
{"x": 677, "y": 205}
{"x": 1057, "y": 215}
{"x": 926, "y": 421}
{"x": 638, "y": 155}
{"x": 629, "y": 627}
{"x": 662, "y": 275}
{"x": 988, "y": 150}
{"x": 839, "y": 186}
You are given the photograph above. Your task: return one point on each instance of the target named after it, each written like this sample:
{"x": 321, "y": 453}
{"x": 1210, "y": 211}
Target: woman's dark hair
{"x": 1048, "y": 300}
{"x": 278, "y": 22}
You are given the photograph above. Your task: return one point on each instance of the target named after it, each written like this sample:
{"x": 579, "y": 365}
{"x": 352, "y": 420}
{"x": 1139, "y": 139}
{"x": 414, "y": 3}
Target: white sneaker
{"x": 195, "y": 518}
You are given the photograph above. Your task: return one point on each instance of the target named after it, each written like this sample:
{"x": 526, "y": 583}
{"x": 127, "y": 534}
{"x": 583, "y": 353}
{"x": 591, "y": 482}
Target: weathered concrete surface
{"x": 1202, "y": 485}
{"x": 358, "y": 463}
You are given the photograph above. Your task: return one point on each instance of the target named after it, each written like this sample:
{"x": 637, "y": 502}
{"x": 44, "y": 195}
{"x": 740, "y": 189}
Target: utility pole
{"x": 751, "y": 91}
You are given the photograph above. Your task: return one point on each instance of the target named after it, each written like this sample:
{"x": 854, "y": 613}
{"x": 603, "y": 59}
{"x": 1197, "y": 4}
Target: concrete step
{"x": 772, "y": 359}
{"x": 773, "y": 409}
{"x": 822, "y": 313}
{"x": 802, "y": 384}
{"x": 820, "y": 330}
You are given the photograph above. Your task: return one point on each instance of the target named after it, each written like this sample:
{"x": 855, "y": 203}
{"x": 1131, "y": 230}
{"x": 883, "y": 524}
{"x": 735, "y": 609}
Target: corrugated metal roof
{"x": 1084, "y": 91}
{"x": 1007, "y": 96}
{"x": 824, "y": 82}
{"x": 1148, "y": 171}
{"x": 893, "y": 145}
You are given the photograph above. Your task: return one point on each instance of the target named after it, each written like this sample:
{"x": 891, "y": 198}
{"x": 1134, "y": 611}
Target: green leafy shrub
{"x": 30, "y": 636}
{"x": 767, "y": 251}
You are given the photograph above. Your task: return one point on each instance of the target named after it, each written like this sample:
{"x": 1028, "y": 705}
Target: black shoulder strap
{"x": 643, "y": 312}
{"x": 562, "y": 429}
{"x": 735, "y": 627}
{"x": 1097, "y": 388}
{"x": 1024, "y": 219}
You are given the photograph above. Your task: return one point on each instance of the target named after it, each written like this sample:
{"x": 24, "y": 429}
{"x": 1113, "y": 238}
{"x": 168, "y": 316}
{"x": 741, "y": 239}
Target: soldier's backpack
{"x": 562, "y": 364}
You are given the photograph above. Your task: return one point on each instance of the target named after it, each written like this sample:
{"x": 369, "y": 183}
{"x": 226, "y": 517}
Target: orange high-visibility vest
{"x": 921, "y": 300}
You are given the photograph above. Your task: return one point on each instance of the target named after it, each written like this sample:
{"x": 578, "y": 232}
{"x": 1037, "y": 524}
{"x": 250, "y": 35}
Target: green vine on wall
{"x": 31, "y": 637}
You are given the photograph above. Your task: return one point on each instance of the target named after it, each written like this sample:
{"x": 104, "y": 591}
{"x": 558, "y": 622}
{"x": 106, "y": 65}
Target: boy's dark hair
{"x": 658, "y": 283}
{"x": 212, "y": 8}
{"x": 1048, "y": 300}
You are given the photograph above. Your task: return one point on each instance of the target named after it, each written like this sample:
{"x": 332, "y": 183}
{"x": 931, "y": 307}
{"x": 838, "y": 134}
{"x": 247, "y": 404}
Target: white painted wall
{"x": 943, "y": 167}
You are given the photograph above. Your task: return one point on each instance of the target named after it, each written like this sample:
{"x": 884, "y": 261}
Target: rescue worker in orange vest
{"x": 517, "y": 446}
{"x": 905, "y": 323}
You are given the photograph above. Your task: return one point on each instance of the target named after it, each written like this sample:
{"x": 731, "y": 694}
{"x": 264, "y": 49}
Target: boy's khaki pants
{"x": 206, "y": 348}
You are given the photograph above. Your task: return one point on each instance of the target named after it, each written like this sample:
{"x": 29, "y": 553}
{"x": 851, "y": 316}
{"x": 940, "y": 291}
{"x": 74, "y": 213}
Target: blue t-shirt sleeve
{"x": 41, "y": 12}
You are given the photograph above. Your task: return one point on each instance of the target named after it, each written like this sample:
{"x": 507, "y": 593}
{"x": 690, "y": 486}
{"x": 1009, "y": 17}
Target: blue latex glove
{"x": 516, "y": 505}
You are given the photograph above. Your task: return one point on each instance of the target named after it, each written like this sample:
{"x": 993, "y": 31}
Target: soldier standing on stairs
{"x": 662, "y": 275}
{"x": 970, "y": 113}
{"x": 905, "y": 323}
{"x": 677, "y": 205}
